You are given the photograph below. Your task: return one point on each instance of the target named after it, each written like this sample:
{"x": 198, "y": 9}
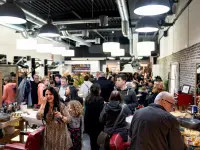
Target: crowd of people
{"x": 105, "y": 99}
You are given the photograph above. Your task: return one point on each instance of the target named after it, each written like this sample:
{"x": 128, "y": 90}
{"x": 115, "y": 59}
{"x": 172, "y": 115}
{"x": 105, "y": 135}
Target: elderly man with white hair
{"x": 154, "y": 128}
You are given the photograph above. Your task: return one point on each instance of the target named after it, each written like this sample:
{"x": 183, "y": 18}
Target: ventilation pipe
{"x": 79, "y": 40}
{"x": 40, "y": 22}
{"x": 126, "y": 30}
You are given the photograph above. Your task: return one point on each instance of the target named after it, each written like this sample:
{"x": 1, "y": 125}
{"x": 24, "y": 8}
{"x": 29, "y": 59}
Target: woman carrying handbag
{"x": 113, "y": 116}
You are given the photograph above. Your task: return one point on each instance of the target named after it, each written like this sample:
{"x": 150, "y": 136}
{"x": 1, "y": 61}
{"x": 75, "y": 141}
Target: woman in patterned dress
{"x": 56, "y": 116}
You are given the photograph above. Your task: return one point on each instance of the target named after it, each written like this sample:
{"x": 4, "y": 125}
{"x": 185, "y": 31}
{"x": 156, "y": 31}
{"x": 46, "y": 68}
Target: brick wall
{"x": 187, "y": 59}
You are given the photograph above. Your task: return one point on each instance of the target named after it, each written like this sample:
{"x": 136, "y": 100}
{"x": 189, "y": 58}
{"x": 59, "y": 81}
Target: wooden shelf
{"x": 7, "y": 138}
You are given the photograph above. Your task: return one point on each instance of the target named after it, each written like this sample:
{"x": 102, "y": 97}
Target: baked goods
{"x": 179, "y": 114}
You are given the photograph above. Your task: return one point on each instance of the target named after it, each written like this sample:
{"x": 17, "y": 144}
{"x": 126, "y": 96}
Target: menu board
{"x": 81, "y": 68}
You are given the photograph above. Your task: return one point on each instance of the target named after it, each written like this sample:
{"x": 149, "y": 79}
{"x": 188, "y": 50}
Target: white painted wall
{"x": 8, "y": 47}
{"x": 185, "y": 32}
{"x": 94, "y": 65}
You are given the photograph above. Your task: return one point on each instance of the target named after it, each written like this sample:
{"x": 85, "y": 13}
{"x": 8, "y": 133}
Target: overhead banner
{"x": 81, "y": 68}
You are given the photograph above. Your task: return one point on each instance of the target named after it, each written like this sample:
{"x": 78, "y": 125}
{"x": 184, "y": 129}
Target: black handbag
{"x": 103, "y": 139}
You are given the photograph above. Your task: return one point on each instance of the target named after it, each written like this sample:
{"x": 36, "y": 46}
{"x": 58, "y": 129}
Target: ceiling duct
{"x": 40, "y": 22}
{"x": 84, "y": 21}
{"x": 66, "y": 35}
{"x": 127, "y": 32}
{"x": 103, "y": 21}
{"x": 96, "y": 41}
{"x": 123, "y": 11}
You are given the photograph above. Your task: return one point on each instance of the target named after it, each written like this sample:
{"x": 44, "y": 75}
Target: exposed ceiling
{"x": 76, "y": 16}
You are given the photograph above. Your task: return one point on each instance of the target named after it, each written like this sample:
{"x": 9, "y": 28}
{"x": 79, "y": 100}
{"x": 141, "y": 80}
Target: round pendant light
{"x": 11, "y": 14}
{"x": 147, "y": 24}
{"x": 49, "y": 30}
{"x": 151, "y": 7}
{"x": 110, "y": 46}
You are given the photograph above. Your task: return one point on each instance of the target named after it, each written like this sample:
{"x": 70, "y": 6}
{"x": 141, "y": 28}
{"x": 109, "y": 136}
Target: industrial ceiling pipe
{"x": 40, "y": 22}
{"x": 127, "y": 32}
{"x": 69, "y": 36}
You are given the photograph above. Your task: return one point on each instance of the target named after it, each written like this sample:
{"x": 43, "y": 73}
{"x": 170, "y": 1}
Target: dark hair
{"x": 52, "y": 82}
{"x": 94, "y": 93}
{"x": 70, "y": 80}
{"x": 86, "y": 78}
{"x": 56, "y": 100}
{"x": 122, "y": 76}
{"x": 57, "y": 75}
{"x": 115, "y": 96}
{"x": 73, "y": 92}
{"x": 7, "y": 79}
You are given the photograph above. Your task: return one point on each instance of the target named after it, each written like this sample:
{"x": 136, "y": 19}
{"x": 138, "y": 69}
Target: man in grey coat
{"x": 154, "y": 128}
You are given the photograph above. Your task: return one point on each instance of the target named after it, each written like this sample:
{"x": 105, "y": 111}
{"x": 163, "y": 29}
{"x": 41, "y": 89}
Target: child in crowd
{"x": 76, "y": 125}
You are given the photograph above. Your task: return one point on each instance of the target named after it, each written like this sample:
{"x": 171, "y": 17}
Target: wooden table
{"x": 7, "y": 138}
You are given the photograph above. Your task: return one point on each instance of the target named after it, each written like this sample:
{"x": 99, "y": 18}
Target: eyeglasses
{"x": 172, "y": 104}
{"x": 168, "y": 102}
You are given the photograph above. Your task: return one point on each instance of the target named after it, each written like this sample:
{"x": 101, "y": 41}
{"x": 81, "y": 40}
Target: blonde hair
{"x": 158, "y": 87}
{"x": 44, "y": 78}
{"x": 75, "y": 108}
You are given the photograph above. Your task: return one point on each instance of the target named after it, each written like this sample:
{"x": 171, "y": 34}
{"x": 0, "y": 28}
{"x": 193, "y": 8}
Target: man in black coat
{"x": 127, "y": 93}
{"x": 34, "y": 89}
{"x": 107, "y": 86}
{"x": 154, "y": 128}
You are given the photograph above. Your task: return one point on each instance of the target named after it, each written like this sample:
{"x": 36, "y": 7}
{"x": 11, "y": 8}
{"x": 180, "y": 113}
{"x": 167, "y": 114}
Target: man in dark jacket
{"x": 34, "y": 89}
{"x": 107, "y": 86}
{"x": 57, "y": 79}
{"x": 154, "y": 128}
{"x": 127, "y": 93}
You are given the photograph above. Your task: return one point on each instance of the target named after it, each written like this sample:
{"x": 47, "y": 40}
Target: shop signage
{"x": 81, "y": 68}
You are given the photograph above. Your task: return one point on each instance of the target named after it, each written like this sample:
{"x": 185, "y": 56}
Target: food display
{"x": 191, "y": 137}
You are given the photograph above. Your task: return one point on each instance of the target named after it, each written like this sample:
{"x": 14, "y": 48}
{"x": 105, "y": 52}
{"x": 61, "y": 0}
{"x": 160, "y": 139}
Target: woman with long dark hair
{"x": 111, "y": 112}
{"x": 56, "y": 116}
{"x": 94, "y": 104}
{"x": 71, "y": 93}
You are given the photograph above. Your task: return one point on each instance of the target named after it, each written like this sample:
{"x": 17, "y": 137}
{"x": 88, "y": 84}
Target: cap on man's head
{"x": 164, "y": 96}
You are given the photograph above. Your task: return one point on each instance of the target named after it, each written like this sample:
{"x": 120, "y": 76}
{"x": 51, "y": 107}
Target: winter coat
{"x": 129, "y": 97}
{"x": 153, "y": 128}
{"x": 20, "y": 91}
{"x": 109, "y": 115}
{"x": 107, "y": 87}
{"x": 9, "y": 93}
{"x": 92, "y": 114}
{"x": 34, "y": 92}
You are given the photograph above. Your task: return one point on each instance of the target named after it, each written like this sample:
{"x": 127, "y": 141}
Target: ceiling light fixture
{"x": 26, "y": 44}
{"x": 151, "y": 7}
{"x": 11, "y": 13}
{"x": 68, "y": 53}
{"x": 120, "y": 52}
{"x": 49, "y": 30}
{"x": 145, "y": 48}
{"x": 147, "y": 24}
{"x": 110, "y": 46}
{"x": 44, "y": 48}
{"x": 58, "y": 50}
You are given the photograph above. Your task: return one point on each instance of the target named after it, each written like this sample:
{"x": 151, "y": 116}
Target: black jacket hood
{"x": 113, "y": 106}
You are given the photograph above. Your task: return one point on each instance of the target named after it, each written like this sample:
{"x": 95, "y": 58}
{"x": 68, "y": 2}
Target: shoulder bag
{"x": 103, "y": 139}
